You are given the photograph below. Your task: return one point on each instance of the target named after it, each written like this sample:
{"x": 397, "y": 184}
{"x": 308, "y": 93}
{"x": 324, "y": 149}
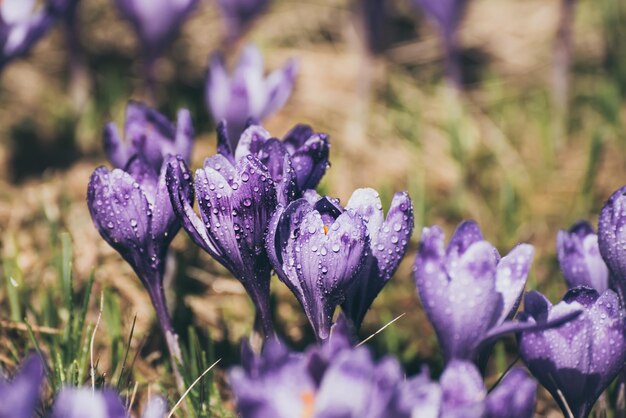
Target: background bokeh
{"x": 497, "y": 152}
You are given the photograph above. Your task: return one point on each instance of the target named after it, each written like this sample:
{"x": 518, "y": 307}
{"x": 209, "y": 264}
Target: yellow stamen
{"x": 308, "y": 397}
{"x": 325, "y": 230}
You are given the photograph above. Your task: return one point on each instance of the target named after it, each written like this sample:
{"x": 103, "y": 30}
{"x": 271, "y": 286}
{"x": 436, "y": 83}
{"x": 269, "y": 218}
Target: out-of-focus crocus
{"x": 131, "y": 207}
{"x": 156, "y": 408}
{"x": 149, "y": 134}
{"x": 246, "y": 94}
{"x": 580, "y": 259}
{"x": 20, "y": 396}
{"x": 447, "y": 15}
{"x": 373, "y": 24}
{"x": 156, "y": 22}
{"x": 239, "y": 14}
{"x": 87, "y": 403}
{"x": 514, "y": 397}
{"x": 612, "y": 237}
{"x": 469, "y": 293}
{"x": 297, "y": 163}
{"x": 318, "y": 250}
{"x": 388, "y": 239}
{"x": 23, "y": 23}
{"x": 579, "y": 359}
{"x": 236, "y": 203}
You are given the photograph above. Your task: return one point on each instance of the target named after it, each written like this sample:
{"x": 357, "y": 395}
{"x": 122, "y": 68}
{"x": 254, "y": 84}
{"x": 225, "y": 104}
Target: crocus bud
{"x": 297, "y": 163}
{"x": 236, "y": 203}
{"x": 239, "y": 14}
{"x": 388, "y": 239}
{"x": 579, "y": 359}
{"x": 246, "y": 94}
{"x": 318, "y": 251}
{"x": 20, "y": 396}
{"x": 580, "y": 259}
{"x": 612, "y": 237}
{"x": 85, "y": 403}
{"x": 22, "y": 24}
{"x": 156, "y": 22}
{"x": 149, "y": 134}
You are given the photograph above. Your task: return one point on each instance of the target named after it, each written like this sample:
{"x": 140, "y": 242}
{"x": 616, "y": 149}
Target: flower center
{"x": 325, "y": 230}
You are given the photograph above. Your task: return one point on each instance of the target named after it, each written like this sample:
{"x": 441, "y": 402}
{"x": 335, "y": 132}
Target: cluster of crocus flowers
{"x": 330, "y": 256}
{"x": 246, "y": 94}
{"x": 335, "y": 379}
{"x": 130, "y": 205}
{"x": 22, "y": 395}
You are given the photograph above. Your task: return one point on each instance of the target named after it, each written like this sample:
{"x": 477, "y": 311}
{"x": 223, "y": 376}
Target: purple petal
{"x": 84, "y": 403}
{"x": 612, "y": 235}
{"x": 251, "y": 141}
{"x": 183, "y": 142}
{"x": 278, "y": 87}
{"x": 156, "y": 408}
{"x": 20, "y": 396}
{"x": 463, "y": 391}
{"x": 514, "y": 397}
{"x": 114, "y": 148}
{"x": 511, "y": 278}
{"x": 580, "y": 358}
{"x": 310, "y": 161}
{"x": 366, "y": 203}
{"x": 418, "y": 397}
{"x": 466, "y": 234}
{"x": 297, "y": 137}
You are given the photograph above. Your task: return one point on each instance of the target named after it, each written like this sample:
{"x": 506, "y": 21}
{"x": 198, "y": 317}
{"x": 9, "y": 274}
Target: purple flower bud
{"x": 612, "y": 237}
{"x": 20, "y": 396}
{"x": 149, "y": 134}
{"x": 246, "y": 94}
{"x": 85, "y": 403}
{"x": 318, "y": 250}
{"x": 156, "y": 22}
{"x": 580, "y": 259}
{"x": 447, "y": 15}
{"x": 579, "y": 359}
{"x": 389, "y": 240}
{"x": 22, "y": 24}
{"x": 297, "y": 163}
{"x": 468, "y": 292}
{"x": 235, "y": 204}
{"x": 514, "y": 397}
{"x": 239, "y": 14}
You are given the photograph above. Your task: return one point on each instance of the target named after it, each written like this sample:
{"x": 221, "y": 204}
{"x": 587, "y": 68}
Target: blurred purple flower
{"x": 580, "y": 259}
{"x": 156, "y": 22}
{"x": 469, "y": 293}
{"x": 318, "y": 250}
{"x": 149, "y": 134}
{"x": 86, "y": 403}
{"x": 612, "y": 237}
{"x": 514, "y": 397}
{"x": 447, "y": 15}
{"x": 156, "y": 408}
{"x": 297, "y": 163}
{"x": 239, "y": 14}
{"x": 579, "y": 359}
{"x": 389, "y": 241}
{"x": 236, "y": 203}
{"x": 20, "y": 396}
{"x": 23, "y": 23}
{"x": 246, "y": 94}
{"x": 131, "y": 207}
{"x": 373, "y": 15}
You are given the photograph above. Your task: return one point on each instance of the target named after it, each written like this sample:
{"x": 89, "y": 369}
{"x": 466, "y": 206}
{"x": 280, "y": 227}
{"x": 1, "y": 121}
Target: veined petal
{"x": 511, "y": 275}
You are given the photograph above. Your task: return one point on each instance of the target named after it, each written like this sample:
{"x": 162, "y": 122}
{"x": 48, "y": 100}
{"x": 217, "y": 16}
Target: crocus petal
{"x": 114, "y": 148}
{"x": 183, "y": 141}
{"x": 511, "y": 276}
{"x": 514, "y": 397}
{"x": 466, "y": 234}
{"x": 21, "y": 395}
{"x": 463, "y": 391}
{"x": 366, "y": 203}
{"x": 297, "y": 137}
{"x": 84, "y": 403}
{"x": 574, "y": 361}
{"x": 251, "y": 141}
{"x": 393, "y": 239}
{"x": 278, "y": 87}
{"x": 156, "y": 408}
{"x": 612, "y": 235}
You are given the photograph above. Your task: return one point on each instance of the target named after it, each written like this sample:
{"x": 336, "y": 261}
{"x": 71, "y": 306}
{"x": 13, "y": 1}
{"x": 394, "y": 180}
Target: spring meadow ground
{"x": 496, "y": 153}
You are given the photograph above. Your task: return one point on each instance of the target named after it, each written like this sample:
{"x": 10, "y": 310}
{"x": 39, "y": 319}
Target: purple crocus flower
{"x": 246, "y": 94}
{"x": 469, "y": 293}
{"x": 23, "y": 23}
{"x": 612, "y": 236}
{"x": 580, "y": 259}
{"x": 131, "y": 206}
{"x": 579, "y": 359}
{"x": 150, "y": 134}
{"x": 389, "y": 241}
{"x": 236, "y": 203}
{"x": 239, "y": 14}
{"x": 20, "y": 396}
{"x": 156, "y": 23}
{"x": 87, "y": 403}
{"x": 447, "y": 15}
{"x": 297, "y": 163}
{"x": 318, "y": 250}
